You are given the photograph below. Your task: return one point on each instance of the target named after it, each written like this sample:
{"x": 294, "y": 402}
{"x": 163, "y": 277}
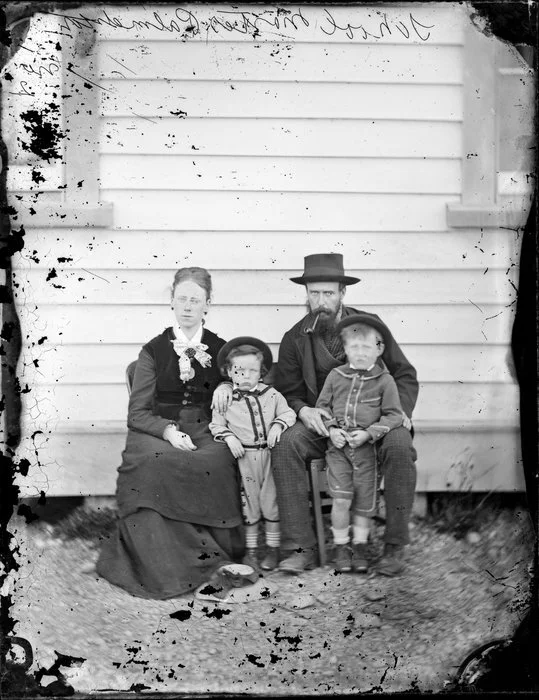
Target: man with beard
{"x": 308, "y": 352}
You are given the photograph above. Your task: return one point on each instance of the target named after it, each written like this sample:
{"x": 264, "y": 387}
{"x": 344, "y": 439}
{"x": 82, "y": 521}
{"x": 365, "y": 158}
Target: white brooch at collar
{"x": 186, "y": 353}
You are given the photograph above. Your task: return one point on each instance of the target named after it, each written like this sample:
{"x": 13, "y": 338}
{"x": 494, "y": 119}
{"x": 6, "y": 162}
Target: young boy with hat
{"x": 251, "y": 427}
{"x": 363, "y": 401}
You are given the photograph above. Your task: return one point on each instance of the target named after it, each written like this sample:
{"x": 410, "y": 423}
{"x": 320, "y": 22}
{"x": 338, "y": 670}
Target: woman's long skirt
{"x": 180, "y": 516}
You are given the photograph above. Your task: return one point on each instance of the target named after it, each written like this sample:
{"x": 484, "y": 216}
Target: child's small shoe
{"x": 271, "y": 559}
{"x": 343, "y": 558}
{"x": 360, "y": 562}
{"x": 251, "y": 558}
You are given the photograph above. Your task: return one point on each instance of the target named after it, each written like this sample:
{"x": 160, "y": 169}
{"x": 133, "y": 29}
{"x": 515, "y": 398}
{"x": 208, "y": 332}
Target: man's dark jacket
{"x": 296, "y": 374}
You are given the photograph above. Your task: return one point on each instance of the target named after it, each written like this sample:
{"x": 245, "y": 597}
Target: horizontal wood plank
{"x": 112, "y": 323}
{"x": 471, "y": 461}
{"x": 266, "y": 287}
{"x": 248, "y": 99}
{"x": 367, "y": 138}
{"x": 144, "y": 70}
{"x": 402, "y": 24}
{"x": 106, "y": 363}
{"x": 98, "y": 249}
{"x": 303, "y": 211}
{"x": 437, "y": 401}
{"x": 402, "y": 175}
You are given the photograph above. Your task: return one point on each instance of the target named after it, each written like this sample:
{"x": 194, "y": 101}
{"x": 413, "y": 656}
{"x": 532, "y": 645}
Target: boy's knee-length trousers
{"x": 259, "y": 496}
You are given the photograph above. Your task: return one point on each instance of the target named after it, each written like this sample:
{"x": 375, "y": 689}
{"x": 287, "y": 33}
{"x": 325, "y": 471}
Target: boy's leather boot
{"x": 343, "y": 558}
{"x": 251, "y": 558}
{"x": 360, "y": 562}
{"x": 271, "y": 559}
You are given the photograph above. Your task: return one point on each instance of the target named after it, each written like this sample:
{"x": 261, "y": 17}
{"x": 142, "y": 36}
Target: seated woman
{"x": 177, "y": 490}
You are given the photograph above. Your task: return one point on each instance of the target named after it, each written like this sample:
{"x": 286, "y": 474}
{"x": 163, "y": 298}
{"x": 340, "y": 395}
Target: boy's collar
{"x": 362, "y": 370}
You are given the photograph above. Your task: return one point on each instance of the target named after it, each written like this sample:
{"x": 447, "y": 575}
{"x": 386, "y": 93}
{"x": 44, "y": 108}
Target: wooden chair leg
{"x": 317, "y": 508}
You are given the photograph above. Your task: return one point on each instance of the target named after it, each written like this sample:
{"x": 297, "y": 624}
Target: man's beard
{"x": 324, "y": 321}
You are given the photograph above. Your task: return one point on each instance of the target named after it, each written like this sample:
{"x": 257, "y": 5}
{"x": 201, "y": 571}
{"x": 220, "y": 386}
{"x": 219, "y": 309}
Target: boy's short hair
{"x": 361, "y": 330}
{"x": 241, "y": 351}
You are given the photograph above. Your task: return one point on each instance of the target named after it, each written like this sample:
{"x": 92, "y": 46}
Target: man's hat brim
{"x": 366, "y": 320}
{"x": 245, "y": 340}
{"x": 343, "y": 279}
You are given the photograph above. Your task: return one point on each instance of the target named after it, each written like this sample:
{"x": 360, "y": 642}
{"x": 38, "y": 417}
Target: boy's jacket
{"x": 362, "y": 399}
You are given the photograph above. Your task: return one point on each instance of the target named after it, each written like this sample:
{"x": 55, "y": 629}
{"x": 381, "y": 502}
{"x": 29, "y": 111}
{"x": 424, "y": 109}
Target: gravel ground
{"x": 319, "y": 633}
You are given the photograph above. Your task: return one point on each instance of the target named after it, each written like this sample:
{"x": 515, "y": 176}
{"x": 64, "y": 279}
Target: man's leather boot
{"x": 299, "y": 561}
{"x": 391, "y": 563}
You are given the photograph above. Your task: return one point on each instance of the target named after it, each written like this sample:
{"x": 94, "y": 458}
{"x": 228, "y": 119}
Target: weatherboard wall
{"x": 242, "y": 155}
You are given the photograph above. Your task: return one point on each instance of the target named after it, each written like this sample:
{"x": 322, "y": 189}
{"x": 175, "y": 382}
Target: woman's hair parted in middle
{"x": 194, "y": 274}
{"x": 241, "y": 351}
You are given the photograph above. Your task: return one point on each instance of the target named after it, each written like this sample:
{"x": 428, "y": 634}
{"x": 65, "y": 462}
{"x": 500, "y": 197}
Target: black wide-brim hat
{"x": 245, "y": 340}
{"x": 366, "y": 320}
{"x": 324, "y": 267}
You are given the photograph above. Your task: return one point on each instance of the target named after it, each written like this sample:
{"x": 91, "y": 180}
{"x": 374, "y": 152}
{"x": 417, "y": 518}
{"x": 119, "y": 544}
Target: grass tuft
{"x": 87, "y": 523}
{"x": 460, "y": 513}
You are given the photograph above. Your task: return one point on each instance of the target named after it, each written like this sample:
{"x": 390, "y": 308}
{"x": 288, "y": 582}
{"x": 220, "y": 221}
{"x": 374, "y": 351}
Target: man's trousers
{"x": 299, "y": 445}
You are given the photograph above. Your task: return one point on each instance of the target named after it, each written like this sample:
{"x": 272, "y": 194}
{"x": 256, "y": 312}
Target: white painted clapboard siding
{"x": 267, "y": 287}
{"x": 243, "y": 155}
{"x": 267, "y": 211}
{"x": 324, "y": 136}
{"x": 283, "y": 249}
{"x": 284, "y": 100}
{"x": 464, "y": 402}
{"x": 383, "y": 175}
{"x": 344, "y": 63}
{"x": 411, "y": 323}
{"x": 106, "y": 364}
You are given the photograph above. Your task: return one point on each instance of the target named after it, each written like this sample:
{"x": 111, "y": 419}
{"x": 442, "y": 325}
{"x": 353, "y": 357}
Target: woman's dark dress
{"x": 180, "y": 515}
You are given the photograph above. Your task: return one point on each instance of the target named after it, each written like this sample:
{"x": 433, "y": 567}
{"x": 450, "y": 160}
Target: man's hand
{"x": 274, "y": 434}
{"x": 235, "y": 446}
{"x": 177, "y": 439}
{"x": 222, "y": 398}
{"x": 407, "y": 423}
{"x": 337, "y": 437}
{"x": 358, "y": 438}
{"x": 312, "y": 419}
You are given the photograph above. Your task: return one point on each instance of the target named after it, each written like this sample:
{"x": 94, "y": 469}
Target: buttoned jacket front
{"x": 250, "y": 416}
{"x": 362, "y": 399}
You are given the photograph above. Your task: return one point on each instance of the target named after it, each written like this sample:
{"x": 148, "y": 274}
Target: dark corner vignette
{"x": 510, "y": 667}
{"x": 15, "y": 679}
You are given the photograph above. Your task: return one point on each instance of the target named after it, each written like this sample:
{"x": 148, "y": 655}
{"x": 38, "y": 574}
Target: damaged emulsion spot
{"x": 45, "y": 135}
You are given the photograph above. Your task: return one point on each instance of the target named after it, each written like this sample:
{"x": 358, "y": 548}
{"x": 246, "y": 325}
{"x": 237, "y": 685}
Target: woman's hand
{"x": 358, "y": 438}
{"x": 274, "y": 434}
{"x": 177, "y": 439}
{"x": 337, "y": 437}
{"x": 235, "y": 446}
{"x": 312, "y": 419}
{"x": 222, "y": 398}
